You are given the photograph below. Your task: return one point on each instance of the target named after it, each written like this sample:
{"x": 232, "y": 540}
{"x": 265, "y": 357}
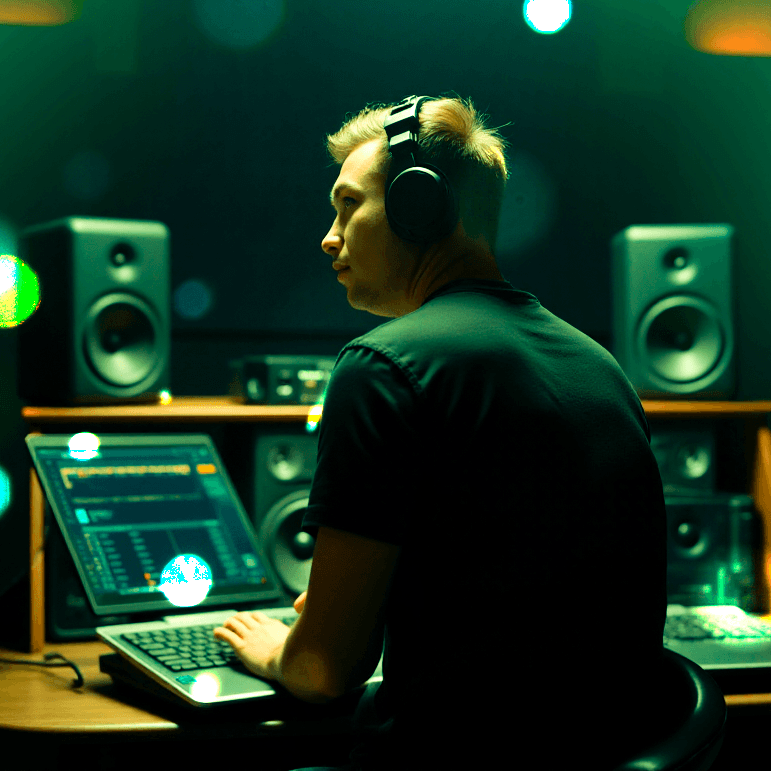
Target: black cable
{"x": 76, "y": 683}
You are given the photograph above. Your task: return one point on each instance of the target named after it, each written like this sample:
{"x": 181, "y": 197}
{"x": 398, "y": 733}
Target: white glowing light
{"x": 206, "y": 686}
{"x": 547, "y": 16}
{"x": 84, "y": 446}
{"x": 186, "y": 581}
{"x": 314, "y": 416}
{"x": 9, "y": 273}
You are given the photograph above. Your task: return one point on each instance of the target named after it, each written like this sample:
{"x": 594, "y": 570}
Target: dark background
{"x": 175, "y": 111}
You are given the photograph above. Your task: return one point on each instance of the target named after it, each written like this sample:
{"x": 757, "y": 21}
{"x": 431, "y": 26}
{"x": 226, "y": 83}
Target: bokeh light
{"x": 84, "y": 446}
{"x": 193, "y": 299}
{"x": 738, "y": 28}
{"x": 39, "y": 12}
{"x": 547, "y": 16}
{"x": 186, "y": 580}
{"x": 207, "y": 686}
{"x": 19, "y": 291}
{"x": 239, "y": 23}
{"x": 5, "y": 491}
{"x": 314, "y": 416}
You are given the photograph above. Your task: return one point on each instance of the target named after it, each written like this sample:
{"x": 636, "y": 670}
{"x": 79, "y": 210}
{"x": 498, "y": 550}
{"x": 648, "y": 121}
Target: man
{"x": 485, "y": 499}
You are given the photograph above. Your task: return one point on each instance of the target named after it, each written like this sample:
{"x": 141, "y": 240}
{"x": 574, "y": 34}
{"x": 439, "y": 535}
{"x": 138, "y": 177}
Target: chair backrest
{"x": 694, "y": 739}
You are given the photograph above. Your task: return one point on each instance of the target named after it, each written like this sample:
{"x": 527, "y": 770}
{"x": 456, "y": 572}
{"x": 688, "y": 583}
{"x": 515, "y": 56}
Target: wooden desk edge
{"x": 90, "y": 710}
{"x": 748, "y": 700}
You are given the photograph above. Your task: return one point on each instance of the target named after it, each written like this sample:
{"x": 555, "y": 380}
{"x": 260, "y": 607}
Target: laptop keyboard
{"x": 705, "y": 623}
{"x": 188, "y": 647}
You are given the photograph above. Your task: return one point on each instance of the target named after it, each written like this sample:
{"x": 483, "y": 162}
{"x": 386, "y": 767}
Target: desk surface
{"x": 43, "y": 700}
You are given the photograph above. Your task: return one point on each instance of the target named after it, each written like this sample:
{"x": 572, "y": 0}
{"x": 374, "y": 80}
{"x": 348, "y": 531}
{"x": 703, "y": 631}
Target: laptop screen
{"x": 153, "y": 522}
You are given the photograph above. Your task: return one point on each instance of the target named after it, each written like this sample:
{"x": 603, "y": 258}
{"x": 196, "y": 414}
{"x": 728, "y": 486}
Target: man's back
{"x": 509, "y": 457}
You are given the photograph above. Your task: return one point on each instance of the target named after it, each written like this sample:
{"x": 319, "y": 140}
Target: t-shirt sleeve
{"x": 369, "y": 441}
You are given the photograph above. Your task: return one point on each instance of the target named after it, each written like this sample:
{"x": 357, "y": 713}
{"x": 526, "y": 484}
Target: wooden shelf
{"x": 218, "y": 409}
{"x": 185, "y": 409}
{"x": 696, "y": 409}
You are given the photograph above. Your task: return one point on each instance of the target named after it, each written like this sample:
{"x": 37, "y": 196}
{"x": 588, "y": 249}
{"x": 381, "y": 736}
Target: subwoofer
{"x": 101, "y": 333}
{"x": 673, "y": 310}
{"x": 284, "y": 464}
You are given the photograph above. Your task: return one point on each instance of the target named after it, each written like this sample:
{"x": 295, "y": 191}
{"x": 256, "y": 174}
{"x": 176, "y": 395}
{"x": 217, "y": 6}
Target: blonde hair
{"x": 454, "y": 137}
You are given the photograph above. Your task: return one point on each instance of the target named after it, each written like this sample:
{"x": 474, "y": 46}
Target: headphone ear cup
{"x": 420, "y": 205}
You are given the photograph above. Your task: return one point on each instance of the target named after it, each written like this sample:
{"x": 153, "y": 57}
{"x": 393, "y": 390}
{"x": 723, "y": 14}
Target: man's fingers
{"x": 227, "y": 635}
{"x": 299, "y": 603}
{"x": 240, "y": 623}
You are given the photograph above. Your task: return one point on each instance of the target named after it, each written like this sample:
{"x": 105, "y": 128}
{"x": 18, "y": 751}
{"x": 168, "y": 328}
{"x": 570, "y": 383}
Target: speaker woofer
{"x": 287, "y": 461}
{"x": 681, "y": 341}
{"x": 120, "y": 339}
{"x": 289, "y": 549}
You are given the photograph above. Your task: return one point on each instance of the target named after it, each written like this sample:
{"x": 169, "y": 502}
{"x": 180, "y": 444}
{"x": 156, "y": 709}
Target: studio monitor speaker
{"x": 714, "y": 550}
{"x": 686, "y": 454}
{"x": 101, "y": 333}
{"x": 284, "y": 461}
{"x": 673, "y": 310}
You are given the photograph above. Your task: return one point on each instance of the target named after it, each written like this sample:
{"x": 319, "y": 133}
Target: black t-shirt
{"x": 509, "y": 456}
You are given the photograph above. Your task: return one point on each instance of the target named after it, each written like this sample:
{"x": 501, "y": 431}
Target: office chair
{"x": 694, "y": 730}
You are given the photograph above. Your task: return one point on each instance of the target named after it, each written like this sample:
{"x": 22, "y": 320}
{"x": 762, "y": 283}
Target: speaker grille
{"x": 120, "y": 339}
{"x": 682, "y": 340}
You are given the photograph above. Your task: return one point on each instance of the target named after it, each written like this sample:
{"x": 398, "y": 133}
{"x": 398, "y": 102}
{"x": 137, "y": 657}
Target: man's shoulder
{"x": 419, "y": 333}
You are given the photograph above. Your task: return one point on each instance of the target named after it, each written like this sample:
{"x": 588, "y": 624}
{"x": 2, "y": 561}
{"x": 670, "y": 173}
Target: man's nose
{"x": 332, "y": 243}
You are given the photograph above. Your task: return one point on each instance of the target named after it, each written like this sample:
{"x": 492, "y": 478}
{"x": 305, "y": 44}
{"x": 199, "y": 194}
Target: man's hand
{"x": 258, "y": 639}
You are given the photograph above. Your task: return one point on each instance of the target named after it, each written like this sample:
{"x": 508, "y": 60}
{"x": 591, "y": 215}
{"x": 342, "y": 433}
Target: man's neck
{"x": 440, "y": 269}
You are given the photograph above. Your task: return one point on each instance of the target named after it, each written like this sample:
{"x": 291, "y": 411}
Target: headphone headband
{"x": 402, "y": 126}
{"x": 420, "y": 204}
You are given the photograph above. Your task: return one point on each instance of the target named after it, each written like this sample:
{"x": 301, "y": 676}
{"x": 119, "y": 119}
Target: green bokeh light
{"x": 19, "y": 291}
{"x": 5, "y": 491}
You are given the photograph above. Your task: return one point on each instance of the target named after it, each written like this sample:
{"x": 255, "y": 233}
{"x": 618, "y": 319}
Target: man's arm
{"x": 337, "y": 641}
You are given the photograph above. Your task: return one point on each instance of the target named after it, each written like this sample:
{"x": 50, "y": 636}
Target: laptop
{"x": 157, "y": 531}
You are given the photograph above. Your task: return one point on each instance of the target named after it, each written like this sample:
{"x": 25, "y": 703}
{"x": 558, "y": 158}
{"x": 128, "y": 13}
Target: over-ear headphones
{"x": 419, "y": 201}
